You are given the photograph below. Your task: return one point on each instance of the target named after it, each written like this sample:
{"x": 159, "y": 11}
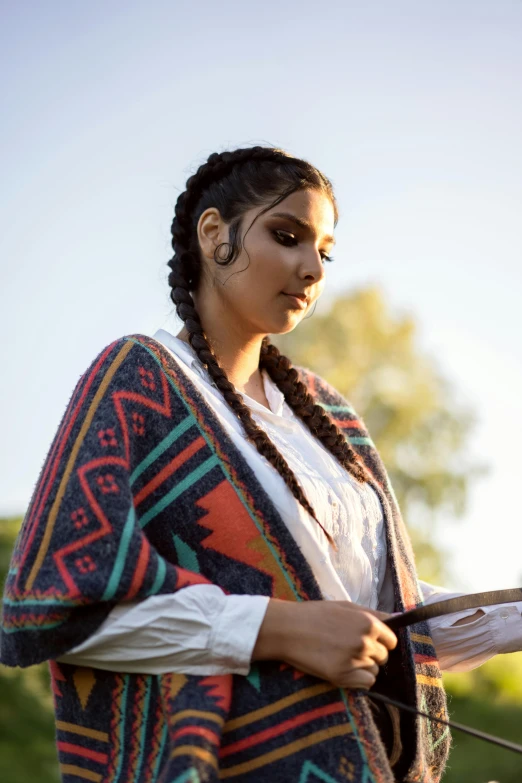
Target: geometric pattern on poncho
{"x": 130, "y": 502}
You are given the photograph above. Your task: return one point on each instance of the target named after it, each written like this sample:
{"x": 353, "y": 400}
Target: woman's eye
{"x": 281, "y": 236}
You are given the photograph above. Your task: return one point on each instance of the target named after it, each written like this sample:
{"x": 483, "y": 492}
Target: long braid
{"x": 314, "y": 416}
{"x": 185, "y": 274}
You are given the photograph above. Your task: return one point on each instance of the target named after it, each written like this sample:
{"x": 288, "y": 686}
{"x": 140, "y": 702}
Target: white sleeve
{"x": 197, "y": 630}
{"x": 463, "y": 647}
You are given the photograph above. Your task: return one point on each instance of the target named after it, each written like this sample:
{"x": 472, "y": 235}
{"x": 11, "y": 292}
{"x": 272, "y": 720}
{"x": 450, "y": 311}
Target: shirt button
{"x": 504, "y": 614}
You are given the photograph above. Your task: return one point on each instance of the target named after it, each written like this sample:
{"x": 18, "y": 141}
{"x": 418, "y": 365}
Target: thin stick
{"x": 473, "y": 732}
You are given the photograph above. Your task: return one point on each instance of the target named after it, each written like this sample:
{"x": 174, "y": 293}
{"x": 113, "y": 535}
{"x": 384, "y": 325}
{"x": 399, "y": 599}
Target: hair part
{"x": 235, "y": 182}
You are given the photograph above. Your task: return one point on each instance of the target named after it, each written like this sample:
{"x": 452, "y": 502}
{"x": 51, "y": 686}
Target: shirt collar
{"x": 185, "y": 351}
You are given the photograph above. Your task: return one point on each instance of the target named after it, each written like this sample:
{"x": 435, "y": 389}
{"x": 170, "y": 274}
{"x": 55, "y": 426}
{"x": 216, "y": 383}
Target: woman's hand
{"x": 337, "y": 641}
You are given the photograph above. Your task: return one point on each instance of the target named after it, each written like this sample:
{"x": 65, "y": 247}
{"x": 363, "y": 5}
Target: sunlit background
{"x": 412, "y": 109}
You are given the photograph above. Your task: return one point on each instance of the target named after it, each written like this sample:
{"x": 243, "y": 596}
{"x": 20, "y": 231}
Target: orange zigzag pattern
{"x": 239, "y": 539}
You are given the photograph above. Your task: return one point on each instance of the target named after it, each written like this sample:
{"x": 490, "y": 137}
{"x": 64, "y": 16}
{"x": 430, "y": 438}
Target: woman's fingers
{"x": 336, "y": 640}
{"x": 377, "y": 628}
{"x": 385, "y": 635}
{"x": 362, "y": 678}
{"x": 380, "y": 654}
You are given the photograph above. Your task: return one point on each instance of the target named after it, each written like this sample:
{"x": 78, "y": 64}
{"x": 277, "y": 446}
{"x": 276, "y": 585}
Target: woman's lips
{"x": 296, "y": 301}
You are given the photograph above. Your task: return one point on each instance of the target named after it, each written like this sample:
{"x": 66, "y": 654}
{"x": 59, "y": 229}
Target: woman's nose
{"x": 313, "y": 266}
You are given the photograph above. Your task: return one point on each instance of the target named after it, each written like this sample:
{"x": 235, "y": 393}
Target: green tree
{"x": 373, "y": 358}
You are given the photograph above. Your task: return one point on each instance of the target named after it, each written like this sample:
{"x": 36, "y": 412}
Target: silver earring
{"x": 311, "y": 314}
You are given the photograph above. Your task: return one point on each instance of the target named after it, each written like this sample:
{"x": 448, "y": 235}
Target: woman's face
{"x": 278, "y": 258}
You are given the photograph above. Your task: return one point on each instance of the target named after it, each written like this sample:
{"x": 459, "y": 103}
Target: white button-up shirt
{"x": 200, "y": 630}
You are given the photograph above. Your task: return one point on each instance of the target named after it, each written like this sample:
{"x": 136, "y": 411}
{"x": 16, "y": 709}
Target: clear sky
{"x": 414, "y": 111}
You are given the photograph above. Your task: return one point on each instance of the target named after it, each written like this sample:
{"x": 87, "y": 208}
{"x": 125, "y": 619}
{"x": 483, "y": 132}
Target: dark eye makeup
{"x": 292, "y": 241}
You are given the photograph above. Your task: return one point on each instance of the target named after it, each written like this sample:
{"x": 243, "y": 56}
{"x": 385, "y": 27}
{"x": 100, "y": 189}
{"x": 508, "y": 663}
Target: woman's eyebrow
{"x": 301, "y": 222}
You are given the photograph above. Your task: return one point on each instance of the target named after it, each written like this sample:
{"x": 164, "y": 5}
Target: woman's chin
{"x": 286, "y": 324}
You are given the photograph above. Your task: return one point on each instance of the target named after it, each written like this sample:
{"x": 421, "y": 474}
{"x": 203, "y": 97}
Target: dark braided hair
{"x": 235, "y": 182}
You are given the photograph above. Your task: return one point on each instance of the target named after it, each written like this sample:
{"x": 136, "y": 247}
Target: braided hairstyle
{"x": 235, "y": 182}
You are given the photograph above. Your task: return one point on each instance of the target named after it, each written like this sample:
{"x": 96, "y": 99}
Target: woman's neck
{"x": 242, "y": 370}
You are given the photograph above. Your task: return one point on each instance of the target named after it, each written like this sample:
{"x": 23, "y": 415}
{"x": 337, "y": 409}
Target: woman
{"x": 213, "y": 544}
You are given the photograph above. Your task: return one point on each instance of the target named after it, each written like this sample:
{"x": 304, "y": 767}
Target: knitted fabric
{"x": 143, "y": 493}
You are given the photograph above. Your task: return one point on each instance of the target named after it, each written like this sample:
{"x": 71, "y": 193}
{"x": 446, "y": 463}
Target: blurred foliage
{"x": 371, "y": 356}
{"x": 499, "y": 680}
{"x": 475, "y": 761}
{"x": 27, "y": 749}
{"x": 488, "y": 698}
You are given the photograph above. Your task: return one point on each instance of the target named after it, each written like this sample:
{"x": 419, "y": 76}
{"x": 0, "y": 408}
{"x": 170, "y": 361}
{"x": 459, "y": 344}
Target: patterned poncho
{"x": 143, "y": 492}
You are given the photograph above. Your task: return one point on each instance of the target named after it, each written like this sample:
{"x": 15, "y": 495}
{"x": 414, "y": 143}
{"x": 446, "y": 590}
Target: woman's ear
{"x": 211, "y": 231}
